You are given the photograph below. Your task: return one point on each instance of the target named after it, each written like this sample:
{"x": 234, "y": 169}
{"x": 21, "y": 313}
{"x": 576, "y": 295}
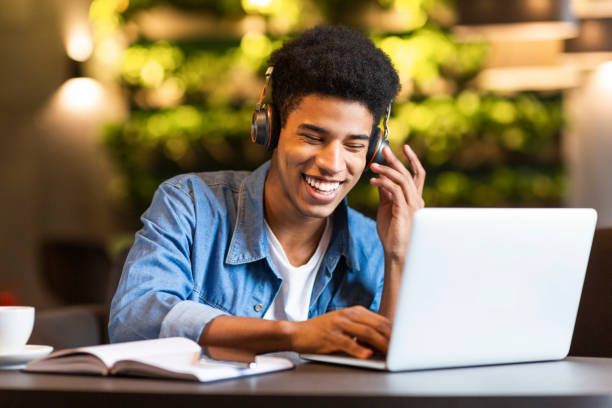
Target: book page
{"x": 174, "y": 347}
{"x": 100, "y": 359}
{"x": 71, "y": 362}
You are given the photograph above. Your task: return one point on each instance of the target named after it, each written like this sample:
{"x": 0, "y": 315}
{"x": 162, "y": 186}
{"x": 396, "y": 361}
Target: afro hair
{"x": 332, "y": 61}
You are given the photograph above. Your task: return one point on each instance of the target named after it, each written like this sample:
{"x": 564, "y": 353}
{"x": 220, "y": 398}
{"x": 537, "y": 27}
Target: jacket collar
{"x": 249, "y": 243}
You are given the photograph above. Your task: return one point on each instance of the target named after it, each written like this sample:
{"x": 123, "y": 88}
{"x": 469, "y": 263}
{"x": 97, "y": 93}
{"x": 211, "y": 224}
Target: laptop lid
{"x": 489, "y": 286}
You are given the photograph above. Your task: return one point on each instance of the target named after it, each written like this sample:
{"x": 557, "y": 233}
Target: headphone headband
{"x": 263, "y": 91}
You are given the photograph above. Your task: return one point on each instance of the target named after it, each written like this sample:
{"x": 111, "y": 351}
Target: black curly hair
{"x": 332, "y": 61}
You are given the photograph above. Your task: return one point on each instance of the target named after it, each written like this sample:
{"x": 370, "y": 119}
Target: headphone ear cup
{"x": 375, "y": 147}
{"x": 264, "y": 127}
{"x": 260, "y": 127}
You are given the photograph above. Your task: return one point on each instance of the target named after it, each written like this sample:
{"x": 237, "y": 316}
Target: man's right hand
{"x": 348, "y": 330}
{"x": 354, "y": 330}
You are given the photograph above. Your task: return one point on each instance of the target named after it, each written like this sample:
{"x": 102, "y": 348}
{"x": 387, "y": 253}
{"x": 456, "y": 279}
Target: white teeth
{"x": 319, "y": 185}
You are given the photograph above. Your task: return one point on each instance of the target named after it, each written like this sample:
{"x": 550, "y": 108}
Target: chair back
{"x": 76, "y": 272}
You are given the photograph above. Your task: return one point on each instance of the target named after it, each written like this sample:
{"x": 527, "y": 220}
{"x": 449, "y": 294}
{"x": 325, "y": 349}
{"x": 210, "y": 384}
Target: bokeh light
{"x": 81, "y": 95}
{"x": 79, "y": 46}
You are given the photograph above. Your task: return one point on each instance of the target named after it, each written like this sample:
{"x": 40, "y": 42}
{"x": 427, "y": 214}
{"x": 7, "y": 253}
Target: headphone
{"x": 265, "y": 127}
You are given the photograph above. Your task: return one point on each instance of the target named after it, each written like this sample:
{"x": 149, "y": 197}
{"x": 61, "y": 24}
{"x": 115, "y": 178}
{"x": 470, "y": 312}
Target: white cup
{"x": 16, "y": 324}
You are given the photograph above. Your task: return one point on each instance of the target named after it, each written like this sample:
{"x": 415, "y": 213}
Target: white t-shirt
{"x": 293, "y": 299}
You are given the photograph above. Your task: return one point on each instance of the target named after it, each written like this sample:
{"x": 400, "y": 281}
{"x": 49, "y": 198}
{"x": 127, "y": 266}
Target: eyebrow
{"x": 317, "y": 129}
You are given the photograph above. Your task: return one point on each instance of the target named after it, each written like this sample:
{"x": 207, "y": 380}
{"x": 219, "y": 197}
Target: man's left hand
{"x": 401, "y": 195}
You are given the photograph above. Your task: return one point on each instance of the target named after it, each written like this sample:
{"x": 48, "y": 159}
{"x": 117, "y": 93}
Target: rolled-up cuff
{"x": 187, "y": 319}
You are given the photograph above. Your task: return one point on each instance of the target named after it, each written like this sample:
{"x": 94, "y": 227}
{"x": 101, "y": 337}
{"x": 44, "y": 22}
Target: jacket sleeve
{"x": 156, "y": 282}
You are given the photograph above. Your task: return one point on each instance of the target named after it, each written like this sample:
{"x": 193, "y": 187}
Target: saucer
{"x": 15, "y": 360}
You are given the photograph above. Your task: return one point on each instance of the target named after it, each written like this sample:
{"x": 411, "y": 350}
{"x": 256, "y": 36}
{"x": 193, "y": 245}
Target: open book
{"x": 174, "y": 357}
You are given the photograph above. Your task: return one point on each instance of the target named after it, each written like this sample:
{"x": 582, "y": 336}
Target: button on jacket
{"x": 202, "y": 252}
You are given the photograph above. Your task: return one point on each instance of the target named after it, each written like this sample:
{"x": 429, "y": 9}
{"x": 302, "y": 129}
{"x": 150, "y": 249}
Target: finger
{"x": 397, "y": 177}
{"x": 417, "y": 168}
{"x": 367, "y": 334}
{"x": 391, "y": 188}
{"x": 362, "y": 315}
{"x": 399, "y": 167}
{"x": 348, "y": 345}
{"x": 383, "y": 194}
{"x": 394, "y": 162}
{"x": 404, "y": 181}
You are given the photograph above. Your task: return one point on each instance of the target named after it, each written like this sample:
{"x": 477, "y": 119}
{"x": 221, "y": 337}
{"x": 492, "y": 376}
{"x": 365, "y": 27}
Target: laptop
{"x": 486, "y": 286}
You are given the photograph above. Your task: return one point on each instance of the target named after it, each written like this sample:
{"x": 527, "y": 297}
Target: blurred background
{"x": 506, "y": 103}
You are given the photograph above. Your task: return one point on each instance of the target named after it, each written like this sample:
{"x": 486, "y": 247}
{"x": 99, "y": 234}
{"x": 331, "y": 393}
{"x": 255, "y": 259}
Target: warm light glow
{"x": 269, "y": 7}
{"x": 260, "y": 3}
{"x": 76, "y": 30}
{"x": 586, "y": 61}
{"x": 516, "y": 32}
{"x": 260, "y": 6}
{"x": 592, "y": 9}
{"x": 282, "y": 15}
{"x": 535, "y": 78}
{"x": 80, "y": 94}
{"x": 603, "y": 76}
{"x": 79, "y": 45}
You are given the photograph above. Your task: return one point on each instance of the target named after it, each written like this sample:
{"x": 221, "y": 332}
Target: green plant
{"x": 191, "y": 101}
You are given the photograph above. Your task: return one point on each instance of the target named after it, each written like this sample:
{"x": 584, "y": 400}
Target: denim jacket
{"x": 202, "y": 252}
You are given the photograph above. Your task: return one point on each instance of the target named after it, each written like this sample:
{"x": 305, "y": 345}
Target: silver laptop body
{"x": 487, "y": 286}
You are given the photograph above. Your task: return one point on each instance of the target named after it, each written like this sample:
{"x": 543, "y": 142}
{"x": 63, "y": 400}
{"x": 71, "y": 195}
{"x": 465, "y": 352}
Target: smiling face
{"x": 320, "y": 156}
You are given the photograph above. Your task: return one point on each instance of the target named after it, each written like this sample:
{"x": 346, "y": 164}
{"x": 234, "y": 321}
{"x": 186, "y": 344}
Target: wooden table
{"x": 574, "y": 382}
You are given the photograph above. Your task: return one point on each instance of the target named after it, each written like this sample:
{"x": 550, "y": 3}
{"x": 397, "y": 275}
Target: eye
{"x": 310, "y": 138}
{"x": 355, "y": 146}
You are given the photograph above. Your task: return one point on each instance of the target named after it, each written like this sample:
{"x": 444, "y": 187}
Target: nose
{"x": 330, "y": 159}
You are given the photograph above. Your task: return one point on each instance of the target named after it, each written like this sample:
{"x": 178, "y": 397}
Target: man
{"x": 274, "y": 259}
